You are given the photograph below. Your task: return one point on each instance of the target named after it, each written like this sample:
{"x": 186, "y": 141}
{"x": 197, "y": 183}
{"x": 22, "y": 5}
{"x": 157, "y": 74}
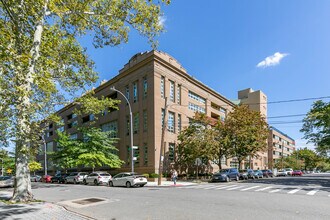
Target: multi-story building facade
{"x": 257, "y": 101}
{"x": 147, "y": 80}
{"x": 280, "y": 145}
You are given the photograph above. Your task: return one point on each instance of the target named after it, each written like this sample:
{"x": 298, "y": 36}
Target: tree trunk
{"x": 22, "y": 190}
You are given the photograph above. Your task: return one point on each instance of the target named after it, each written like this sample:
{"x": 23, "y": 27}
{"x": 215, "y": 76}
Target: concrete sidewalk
{"x": 35, "y": 211}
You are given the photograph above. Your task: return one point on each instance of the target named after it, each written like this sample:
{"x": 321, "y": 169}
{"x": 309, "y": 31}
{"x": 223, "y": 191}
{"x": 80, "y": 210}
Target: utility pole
{"x": 161, "y": 157}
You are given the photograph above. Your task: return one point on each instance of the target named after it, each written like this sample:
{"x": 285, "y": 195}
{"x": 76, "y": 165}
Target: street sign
{"x": 134, "y": 158}
{"x": 135, "y": 147}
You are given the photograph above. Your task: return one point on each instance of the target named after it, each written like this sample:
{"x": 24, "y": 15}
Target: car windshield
{"x": 73, "y": 174}
{"x": 224, "y": 171}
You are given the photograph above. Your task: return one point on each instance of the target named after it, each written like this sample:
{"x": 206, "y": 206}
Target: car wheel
{"x": 74, "y": 181}
{"x": 58, "y": 181}
{"x": 95, "y": 182}
{"x": 66, "y": 181}
{"x": 227, "y": 179}
{"x": 237, "y": 178}
{"x": 110, "y": 183}
{"x": 84, "y": 181}
{"x": 141, "y": 185}
{"x": 128, "y": 184}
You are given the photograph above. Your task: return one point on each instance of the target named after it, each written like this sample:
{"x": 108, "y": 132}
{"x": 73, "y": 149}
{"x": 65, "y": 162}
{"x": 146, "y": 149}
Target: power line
{"x": 286, "y": 116}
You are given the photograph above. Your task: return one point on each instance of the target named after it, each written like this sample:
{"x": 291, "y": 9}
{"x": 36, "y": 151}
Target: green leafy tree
{"x": 309, "y": 158}
{"x": 42, "y": 62}
{"x": 95, "y": 149}
{"x": 221, "y": 143}
{"x": 7, "y": 160}
{"x": 34, "y": 166}
{"x": 195, "y": 143}
{"x": 246, "y": 133}
{"x": 316, "y": 127}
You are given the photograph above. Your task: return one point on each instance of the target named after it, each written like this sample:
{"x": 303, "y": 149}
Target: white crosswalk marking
{"x": 312, "y": 193}
{"x": 212, "y": 187}
{"x": 262, "y": 189}
{"x": 253, "y": 187}
{"x": 238, "y": 187}
{"x": 276, "y": 190}
{"x": 224, "y": 187}
{"x": 293, "y": 191}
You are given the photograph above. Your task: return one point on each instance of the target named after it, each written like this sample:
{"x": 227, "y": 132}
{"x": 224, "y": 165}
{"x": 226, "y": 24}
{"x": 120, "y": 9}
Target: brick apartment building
{"x": 146, "y": 80}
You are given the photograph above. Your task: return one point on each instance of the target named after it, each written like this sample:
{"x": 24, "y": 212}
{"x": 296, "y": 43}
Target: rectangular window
{"x": 128, "y": 125}
{"x": 172, "y": 91}
{"x": 74, "y": 136}
{"x": 171, "y": 122}
{"x": 135, "y": 91}
{"x": 145, "y": 121}
{"x": 162, "y": 87}
{"x": 60, "y": 129}
{"x": 111, "y": 126}
{"x": 127, "y": 92}
{"x": 171, "y": 150}
{"x": 196, "y": 97}
{"x": 50, "y": 147}
{"x": 196, "y": 108}
{"x": 136, "y": 123}
{"x": 179, "y": 123}
{"x": 137, "y": 156}
{"x": 163, "y": 115}
{"x": 50, "y": 126}
{"x": 88, "y": 118}
{"x": 178, "y": 95}
{"x": 223, "y": 110}
{"x": 223, "y": 160}
{"x": 145, "y": 87}
{"x": 145, "y": 155}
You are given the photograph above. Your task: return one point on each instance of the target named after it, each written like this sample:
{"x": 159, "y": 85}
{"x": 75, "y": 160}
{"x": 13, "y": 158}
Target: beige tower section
{"x": 257, "y": 101}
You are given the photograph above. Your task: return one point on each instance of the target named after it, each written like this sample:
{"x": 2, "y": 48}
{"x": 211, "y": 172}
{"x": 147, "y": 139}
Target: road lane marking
{"x": 235, "y": 188}
{"x": 312, "y": 193}
{"x": 212, "y": 187}
{"x": 253, "y": 187}
{"x": 294, "y": 191}
{"x": 224, "y": 187}
{"x": 194, "y": 187}
{"x": 258, "y": 190}
{"x": 274, "y": 191}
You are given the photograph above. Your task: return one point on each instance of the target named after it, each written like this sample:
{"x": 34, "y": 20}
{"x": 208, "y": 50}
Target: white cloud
{"x": 161, "y": 20}
{"x": 272, "y": 60}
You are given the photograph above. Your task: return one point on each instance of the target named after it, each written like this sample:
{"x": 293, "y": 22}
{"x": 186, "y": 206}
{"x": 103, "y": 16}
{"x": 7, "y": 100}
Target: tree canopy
{"x": 42, "y": 63}
{"x": 316, "y": 127}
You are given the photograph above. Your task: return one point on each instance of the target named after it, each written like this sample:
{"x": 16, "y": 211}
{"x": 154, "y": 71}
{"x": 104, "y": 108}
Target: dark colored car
{"x": 226, "y": 175}
{"x": 258, "y": 174}
{"x": 248, "y": 173}
{"x": 46, "y": 179}
{"x": 267, "y": 173}
{"x": 59, "y": 178}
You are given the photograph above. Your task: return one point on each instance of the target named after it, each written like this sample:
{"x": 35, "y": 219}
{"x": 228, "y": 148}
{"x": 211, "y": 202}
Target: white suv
{"x": 97, "y": 178}
{"x": 289, "y": 171}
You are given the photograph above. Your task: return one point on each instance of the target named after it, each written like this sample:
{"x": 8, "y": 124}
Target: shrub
{"x": 153, "y": 175}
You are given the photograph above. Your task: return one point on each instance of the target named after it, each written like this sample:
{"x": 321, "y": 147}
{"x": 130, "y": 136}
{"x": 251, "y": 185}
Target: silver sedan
{"x": 128, "y": 180}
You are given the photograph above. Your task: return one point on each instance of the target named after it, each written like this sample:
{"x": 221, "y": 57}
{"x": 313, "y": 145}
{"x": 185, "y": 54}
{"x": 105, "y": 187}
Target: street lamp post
{"x": 131, "y": 125}
{"x": 45, "y": 151}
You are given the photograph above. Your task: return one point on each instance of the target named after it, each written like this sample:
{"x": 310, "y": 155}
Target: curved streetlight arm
{"x": 131, "y": 126}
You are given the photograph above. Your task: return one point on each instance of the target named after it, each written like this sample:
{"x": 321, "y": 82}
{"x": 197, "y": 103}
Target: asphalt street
{"x": 306, "y": 197}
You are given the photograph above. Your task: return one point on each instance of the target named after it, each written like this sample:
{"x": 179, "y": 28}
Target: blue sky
{"x": 221, "y": 43}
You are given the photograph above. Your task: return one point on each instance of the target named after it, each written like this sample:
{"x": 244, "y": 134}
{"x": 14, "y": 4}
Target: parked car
{"x": 128, "y": 180}
{"x": 243, "y": 175}
{"x": 35, "y": 178}
{"x": 267, "y": 173}
{"x": 98, "y": 178}
{"x": 226, "y": 175}
{"x": 59, "y": 178}
{"x": 75, "y": 177}
{"x": 281, "y": 173}
{"x": 297, "y": 173}
{"x": 6, "y": 181}
{"x": 46, "y": 179}
{"x": 258, "y": 174}
{"x": 289, "y": 171}
{"x": 248, "y": 174}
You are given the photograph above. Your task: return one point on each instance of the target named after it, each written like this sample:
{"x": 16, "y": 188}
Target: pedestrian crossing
{"x": 290, "y": 190}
